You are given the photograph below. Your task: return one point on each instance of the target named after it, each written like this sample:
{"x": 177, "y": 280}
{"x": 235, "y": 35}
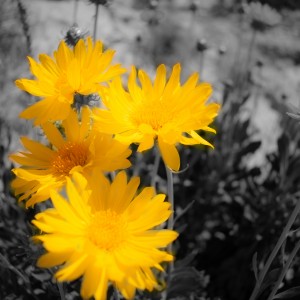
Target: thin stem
{"x": 138, "y": 164}
{"x": 61, "y": 290}
{"x": 170, "y": 196}
{"x": 170, "y": 223}
{"x": 75, "y": 11}
{"x": 248, "y": 60}
{"x": 284, "y": 270}
{"x": 96, "y": 21}
{"x": 244, "y": 78}
{"x": 236, "y": 63}
{"x": 250, "y": 50}
{"x": 155, "y": 168}
{"x": 12, "y": 268}
{"x": 201, "y": 65}
{"x": 274, "y": 252}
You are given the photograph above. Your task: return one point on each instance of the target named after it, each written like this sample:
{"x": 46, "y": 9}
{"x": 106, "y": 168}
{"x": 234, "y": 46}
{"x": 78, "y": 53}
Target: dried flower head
{"x": 100, "y": 2}
{"x": 202, "y": 45}
{"x": 262, "y": 16}
{"x": 73, "y": 35}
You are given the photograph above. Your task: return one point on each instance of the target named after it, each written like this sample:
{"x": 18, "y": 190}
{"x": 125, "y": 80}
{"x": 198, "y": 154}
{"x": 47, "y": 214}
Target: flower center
{"x": 108, "y": 230}
{"x": 69, "y": 156}
{"x": 156, "y": 116}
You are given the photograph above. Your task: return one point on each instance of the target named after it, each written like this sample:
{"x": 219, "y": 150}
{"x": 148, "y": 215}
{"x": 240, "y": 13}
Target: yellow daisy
{"x": 106, "y": 235}
{"x": 71, "y": 72}
{"x": 81, "y": 150}
{"x": 163, "y": 110}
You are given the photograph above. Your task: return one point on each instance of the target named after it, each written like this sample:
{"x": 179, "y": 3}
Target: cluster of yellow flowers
{"x": 104, "y": 231}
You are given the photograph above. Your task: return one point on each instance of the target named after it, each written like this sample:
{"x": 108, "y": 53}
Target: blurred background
{"x": 232, "y": 202}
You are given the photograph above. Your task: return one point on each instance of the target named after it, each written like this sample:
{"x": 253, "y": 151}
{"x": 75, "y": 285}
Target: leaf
{"x": 41, "y": 276}
{"x": 291, "y": 293}
{"x": 183, "y": 211}
{"x": 186, "y": 281}
{"x": 254, "y": 265}
{"x": 186, "y": 260}
{"x": 270, "y": 279}
{"x": 283, "y": 146}
{"x": 293, "y": 116}
{"x": 251, "y": 147}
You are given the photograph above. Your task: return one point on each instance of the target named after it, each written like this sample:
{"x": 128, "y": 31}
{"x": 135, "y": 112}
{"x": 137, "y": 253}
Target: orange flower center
{"x": 108, "y": 230}
{"x": 69, "y": 156}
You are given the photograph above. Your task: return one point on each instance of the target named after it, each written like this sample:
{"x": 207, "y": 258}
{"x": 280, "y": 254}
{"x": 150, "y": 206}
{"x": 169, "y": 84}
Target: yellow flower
{"x": 72, "y": 71}
{"x": 163, "y": 110}
{"x": 106, "y": 235}
{"x": 82, "y": 150}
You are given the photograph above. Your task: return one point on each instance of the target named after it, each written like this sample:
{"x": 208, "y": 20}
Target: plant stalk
{"x": 96, "y": 21}
{"x": 284, "y": 271}
{"x": 274, "y": 252}
{"x": 244, "y": 78}
{"x": 61, "y": 290}
{"x": 170, "y": 224}
{"x": 155, "y": 168}
{"x": 75, "y": 11}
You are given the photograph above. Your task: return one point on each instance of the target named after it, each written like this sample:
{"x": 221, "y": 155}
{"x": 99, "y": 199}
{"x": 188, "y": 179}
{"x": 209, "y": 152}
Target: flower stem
{"x": 155, "y": 168}
{"x": 75, "y": 12}
{"x": 250, "y": 50}
{"x": 284, "y": 270}
{"x": 201, "y": 67}
{"x": 61, "y": 290}
{"x": 96, "y": 21}
{"x": 244, "y": 78}
{"x": 171, "y": 201}
{"x": 274, "y": 252}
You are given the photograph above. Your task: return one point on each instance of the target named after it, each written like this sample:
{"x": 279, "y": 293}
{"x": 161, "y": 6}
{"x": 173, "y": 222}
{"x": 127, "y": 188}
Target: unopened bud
{"x": 202, "y": 45}
{"x": 222, "y": 50}
{"x": 193, "y": 7}
{"x": 73, "y": 35}
{"x": 153, "y": 4}
{"x": 99, "y": 2}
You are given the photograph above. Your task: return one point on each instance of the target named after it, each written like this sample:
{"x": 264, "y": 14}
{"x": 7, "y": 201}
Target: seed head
{"x": 202, "y": 45}
{"x": 73, "y": 35}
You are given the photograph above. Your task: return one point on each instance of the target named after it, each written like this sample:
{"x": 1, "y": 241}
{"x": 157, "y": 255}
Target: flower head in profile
{"x": 80, "y": 149}
{"x": 78, "y": 70}
{"x": 105, "y": 234}
{"x": 165, "y": 111}
{"x": 262, "y": 16}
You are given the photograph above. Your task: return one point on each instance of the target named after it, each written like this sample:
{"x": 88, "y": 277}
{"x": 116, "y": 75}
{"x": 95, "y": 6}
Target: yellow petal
{"x": 39, "y": 150}
{"x": 200, "y": 140}
{"x": 117, "y": 190}
{"x": 169, "y": 154}
{"x": 44, "y": 110}
{"x": 101, "y": 292}
{"x": 53, "y": 135}
{"x": 73, "y": 269}
{"x": 160, "y": 80}
{"x": 71, "y": 127}
{"x": 90, "y": 281}
{"x": 50, "y": 260}
{"x": 73, "y": 75}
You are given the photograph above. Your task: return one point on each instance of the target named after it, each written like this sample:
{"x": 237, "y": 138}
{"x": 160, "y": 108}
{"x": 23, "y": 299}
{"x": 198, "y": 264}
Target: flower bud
{"x": 202, "y": 45}
{"x": 73, "y": 35}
